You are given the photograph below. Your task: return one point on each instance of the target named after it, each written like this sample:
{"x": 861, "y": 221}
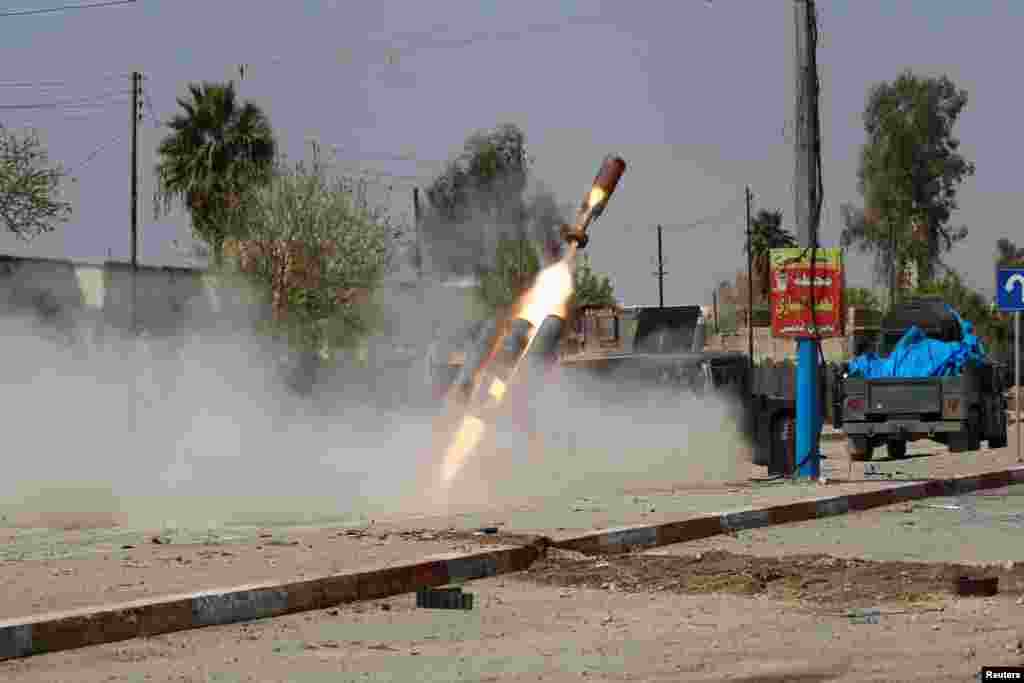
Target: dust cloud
{"x": 576, "y": 436}
{"x": 197, "y": 427}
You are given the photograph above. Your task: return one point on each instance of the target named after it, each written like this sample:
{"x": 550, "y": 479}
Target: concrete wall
{"x": 57, "y": 296}
{"x": 766, "y": 346}
{"x": 97, "y": 298}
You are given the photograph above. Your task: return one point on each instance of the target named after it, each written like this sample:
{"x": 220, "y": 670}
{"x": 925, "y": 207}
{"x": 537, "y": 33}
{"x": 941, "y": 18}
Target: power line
{"x": 93, "y": 154}
{"x": 148, "y": 102}
{"x": 59, "y": 84}
{"x": 728, "y": 209}
{"x": 66, "y": 103}
{"x": 49, "y": 10}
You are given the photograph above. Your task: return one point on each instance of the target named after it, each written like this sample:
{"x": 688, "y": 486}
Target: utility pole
{"x": 661, "y": 274}
{"x": 806, "y": 189}
{"x": 750, "y": 284}
{"x": 136, "y": 115}
{"x": 419, "y": 238}
{"x": 714, "y": 307}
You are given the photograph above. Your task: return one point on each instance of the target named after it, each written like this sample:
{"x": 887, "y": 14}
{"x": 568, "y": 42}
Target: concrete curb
{"x": 624, "y": 539}
{"x": 106, "y": 624}
{"x": 93, "y": 626}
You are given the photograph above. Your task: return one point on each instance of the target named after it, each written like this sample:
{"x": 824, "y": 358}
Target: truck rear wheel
{"x": 859, "y": 448}
{"x": 999, "y": 438}
{"x": 969, "y": 439}
{"x": 897, "y": 449}
{"x": 782, "y": 448}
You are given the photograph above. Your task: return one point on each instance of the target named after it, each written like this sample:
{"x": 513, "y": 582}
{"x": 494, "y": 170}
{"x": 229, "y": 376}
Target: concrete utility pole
{"x": 806, "y": 189}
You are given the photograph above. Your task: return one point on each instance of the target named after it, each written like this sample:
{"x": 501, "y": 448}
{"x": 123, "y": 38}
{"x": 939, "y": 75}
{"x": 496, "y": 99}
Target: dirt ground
{"x": 816, "y": 581}
{"x": 524, "y": 628}
{"x": 138, "y": 566}
{"x": 44, "y": 570}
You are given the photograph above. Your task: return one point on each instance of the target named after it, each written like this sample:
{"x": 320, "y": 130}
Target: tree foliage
{"x": 490, "y": 173}
{"x": 1008, "y": 253}
{"x": 991, "y": 328}
{"x": 217, "y": 148}
{"x": 516, "y": 264}
{"x": 910, "y": 171}
{"x": 589, "y": 288}
{"x": 30, "y": 201}
{"x": 480, "y": 197}
{"x": 766, "y": 233}
{"x": 318, "y": 249}
{"x": 860, "y": 297}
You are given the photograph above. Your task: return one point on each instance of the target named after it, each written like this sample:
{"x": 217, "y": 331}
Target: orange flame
{"x": 549, "y": 296}
{"x": 469, "y": 436}
{"x": 597, "y": 195}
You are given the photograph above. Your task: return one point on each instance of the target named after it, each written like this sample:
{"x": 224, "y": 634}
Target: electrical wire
{"x": 715, "y": 218}
{"x": 105, "y": 97}
{"x": 93, "y": 154}
{"x": 49, "y": 10}
{"x": 148, "y": 103}
{"x": 59, "y": 84}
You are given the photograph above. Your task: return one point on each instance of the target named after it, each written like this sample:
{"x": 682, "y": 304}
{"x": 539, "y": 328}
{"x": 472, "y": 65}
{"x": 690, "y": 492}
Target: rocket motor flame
{"x": 549, "y": 296}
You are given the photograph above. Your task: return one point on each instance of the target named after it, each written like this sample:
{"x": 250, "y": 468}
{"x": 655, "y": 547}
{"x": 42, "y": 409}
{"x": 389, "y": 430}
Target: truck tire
{"x": 783, "y": 446}
{"x": 969, "y": 439}
{"x": 999, "y": 438}
{"x": 897, "y": 450}
{"x": 860, "y": 448}
{"x": 974, "y": 430}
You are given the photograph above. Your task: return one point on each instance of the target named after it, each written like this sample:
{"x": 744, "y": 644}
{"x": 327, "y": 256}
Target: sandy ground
{"x": 527, "y": 631}
{"x": 55, "y": 569}
{"x": 138, "y": 567}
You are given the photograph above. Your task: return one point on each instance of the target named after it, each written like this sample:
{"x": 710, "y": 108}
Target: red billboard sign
{"x": 792, "y": 289}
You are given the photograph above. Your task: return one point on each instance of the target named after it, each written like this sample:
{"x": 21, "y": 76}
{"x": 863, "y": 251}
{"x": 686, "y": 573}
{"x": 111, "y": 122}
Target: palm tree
{"x": 217, "y": 148}
{"x": 767, "y": 233}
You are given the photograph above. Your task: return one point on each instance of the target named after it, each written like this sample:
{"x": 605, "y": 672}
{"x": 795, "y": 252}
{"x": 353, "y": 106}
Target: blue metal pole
{"x": 808, "y": 410}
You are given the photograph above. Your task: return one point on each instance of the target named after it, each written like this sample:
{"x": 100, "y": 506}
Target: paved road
{"x": 974, "y": 529}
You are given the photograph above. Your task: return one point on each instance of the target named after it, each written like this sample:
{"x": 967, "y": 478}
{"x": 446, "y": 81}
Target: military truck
{"x": 667, "y": 354}
{"x": 668, "y": 350}
{"x": 958, "y": 411}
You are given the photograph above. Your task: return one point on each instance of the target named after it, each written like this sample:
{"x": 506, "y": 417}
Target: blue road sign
{"x": 1010, "y": 288}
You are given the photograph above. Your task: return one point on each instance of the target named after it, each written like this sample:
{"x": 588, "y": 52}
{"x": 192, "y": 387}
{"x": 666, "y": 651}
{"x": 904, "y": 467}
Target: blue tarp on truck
{"x": 917, "y": 355}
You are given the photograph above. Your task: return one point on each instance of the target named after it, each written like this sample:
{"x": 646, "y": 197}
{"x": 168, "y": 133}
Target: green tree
{"x": 318, "y": 249}
{"x": 479, "y": 198}
{"x": 216, "y": 149}
{"x": 516, "y": 264}
{"x": 30, "y": 201}
{"x": 490, "y": 173}
{"x": 589, "y": 288}
{"x": 861, "y": 297}
{"x": 766, "y": 233}
{"x": 972, "y": 306}
{"x": 1008, "y": 253}
{"x": 910, "y": 170}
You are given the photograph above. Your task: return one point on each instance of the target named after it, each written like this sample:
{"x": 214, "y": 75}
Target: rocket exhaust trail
{"x": 531, "y": 338}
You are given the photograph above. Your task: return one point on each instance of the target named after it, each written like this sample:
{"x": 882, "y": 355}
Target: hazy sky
{"x": 696, "y": 96}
